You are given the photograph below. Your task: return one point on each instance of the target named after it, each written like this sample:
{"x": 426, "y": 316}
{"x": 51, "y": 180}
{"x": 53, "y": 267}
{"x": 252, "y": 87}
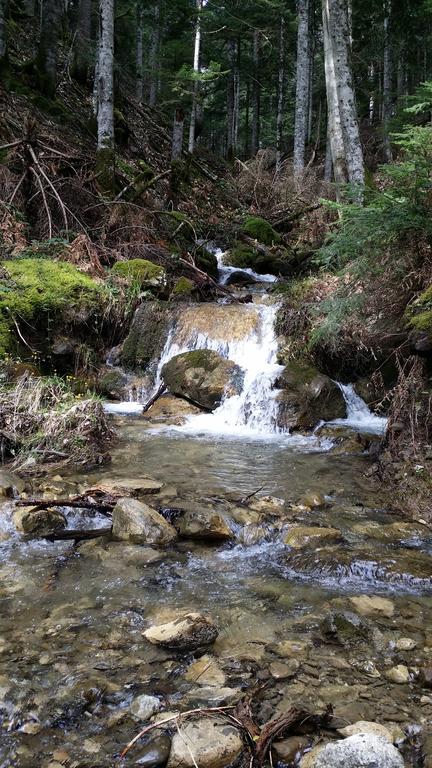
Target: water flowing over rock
{"x": 202, "y": 376}
{"x": 364, "y": 750}
{"x": 186, "y": 633}
{"x": 38, "y": 521}
{"x": 137, "y": 522}
{"x": 302, "y": 536}
{"x": 208, "y": 743}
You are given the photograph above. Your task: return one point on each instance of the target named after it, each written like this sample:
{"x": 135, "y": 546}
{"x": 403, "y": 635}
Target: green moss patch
{"x": 261, "y": 230}
{"x": 33, "y": 289}
{"x": 183, "y": 287}
{"x": 140, "y": 271}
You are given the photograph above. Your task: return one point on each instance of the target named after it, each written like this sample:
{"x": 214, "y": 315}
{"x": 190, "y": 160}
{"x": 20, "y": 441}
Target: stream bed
{"x": 73, "y": 657}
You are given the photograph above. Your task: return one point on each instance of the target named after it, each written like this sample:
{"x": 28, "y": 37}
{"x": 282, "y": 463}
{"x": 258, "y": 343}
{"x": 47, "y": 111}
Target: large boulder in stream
{"x": 137, "y": 522}
{"x": 203, "y": 377}
{"x": 38, "y": 522}
{"x": 307, "y": 397}
{"x": 147, "y": 335}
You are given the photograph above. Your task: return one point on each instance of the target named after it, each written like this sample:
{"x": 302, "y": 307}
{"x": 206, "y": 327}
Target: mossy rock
{"x": 142, "y": 272}
{"x": 203, "y": 377}
{"x": 274, "y": 262}
{"x": 112, "y": 383}
{"x": 183, "y": 288}
{"x": 261, "y": 230}
{"x": 35, "y": 289}
{"x": 147, "y": 335}
{"x": 206, "y": 261}
{"x": 307, "y": 397}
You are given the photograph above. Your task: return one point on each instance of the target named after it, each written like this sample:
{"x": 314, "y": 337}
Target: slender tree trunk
{"x": 139, "y": 54}
{"x": 51, "y": 13}
{"x": 81, "y": 62}
{"x": 387, "y": 80}
{"x": 247, "y": 121}
{"x": 236, "y": 85}
{"x": 341, "y": 34}
{"x": 178, "y": 130}
{"x": 255, "y": 95}
{"x": 231, "y": 100}
{"x": 302, "y": 87}
{"x": 280, "y": 105}
{"x": 196, "y": 60}
{"x": 29, "y": 8}
{"x": 335, "y": 135}
{"x": 328, "y": 167}
{"x": 3, "y": 35}
{"x": 105, "y": 111}
{"x": 154, "y": 56}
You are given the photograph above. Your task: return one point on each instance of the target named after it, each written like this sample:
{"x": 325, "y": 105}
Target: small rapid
{"x": 359, "y": 416}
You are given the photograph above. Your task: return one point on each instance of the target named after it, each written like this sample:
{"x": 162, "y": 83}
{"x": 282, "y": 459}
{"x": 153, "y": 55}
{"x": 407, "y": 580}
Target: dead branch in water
{"x": 155, "y": 397}
{"x": 77, "y": 535}
{"x": 85, "y": 506}
{"x": 245, "y": 499}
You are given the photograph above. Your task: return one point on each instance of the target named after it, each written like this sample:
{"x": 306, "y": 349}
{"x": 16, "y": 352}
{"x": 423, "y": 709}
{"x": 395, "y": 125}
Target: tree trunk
{"x": 48, "y": 44}
{"x": 302, "y": 87}
{"x": 340, "y": 40}
{"x": 247, "y": 119}
{"x": 139, "y": 54}
{"x": 387, "y": 80}
{"x": 255, "y": 95}
{"x": 154, "y": 56}
{"x": 231, "y": 100}
{"x": 280, "y": 105}
{"x": 105, "y": 110}
{"x": 81, "y": 63}
{"x": 178, "y": 130}
{"x": 29, "y": 8}
{"x": 328, "y": 167}
{"x": 3, "y": 35}
{"x": 197, "y": 49}
{"x": 236, "y": 111}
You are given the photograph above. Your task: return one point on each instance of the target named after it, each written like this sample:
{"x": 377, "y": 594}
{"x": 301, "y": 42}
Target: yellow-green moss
{"x": 32, "y": 288}
{"x": 261, "y": 230}
{"x": 183, "y": 287}
{"x": 422, "y": 322}
{"x": 140, "y": 271}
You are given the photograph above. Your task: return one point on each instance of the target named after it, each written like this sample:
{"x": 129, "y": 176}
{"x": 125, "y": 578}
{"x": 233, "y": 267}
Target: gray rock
{"x": 209, "y": 743}
{"x": 307, "y": 396}
{"x": 202, "y": 376}
{"x": 143, "y": 707}
{"x": 364, "y": 750}
{"x": 203, "y": 524}
{"x": 186, "y": 633}
{"x": 153, "y": 754}
{"x": 346, "y": 628}
{"x": 137, "y": 522}
{"x": 10, "y": 484}
{"x": 37, "y": 521}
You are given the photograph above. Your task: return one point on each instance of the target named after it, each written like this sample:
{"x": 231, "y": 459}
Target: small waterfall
{"x": 244, "y": 334}
{"x": 359, "y": 416}
{"x": 225, "y": 270}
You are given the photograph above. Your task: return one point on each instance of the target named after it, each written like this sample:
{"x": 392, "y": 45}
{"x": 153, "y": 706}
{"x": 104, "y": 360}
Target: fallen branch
{"x": 154, "y": 398}
{"x": 48, "y": 213}
{"x": 103, "y": 509}
{"x": 77, "y": 535}
{"x": 245, "y": 499}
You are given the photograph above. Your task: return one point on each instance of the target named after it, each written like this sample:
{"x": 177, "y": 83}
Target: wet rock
{"x": 405, "y": 644}
{"x": 267, "y": 505}
{"x": 372, "y": 605}
{"x": 212, "y": 743}
{"x": 186, "y": 633}
{"x": 10, "y": 484}
{"x": 203, "y": 524}
{"x": 280, "y": 670}
{"x": 202, "y": 376}
{"x": 38, "y": 522}
{"x": 364, "y": 750}
{"x": 137, "y": 522}
{"x": 143, "y": 707}
{"x": 147, "y": 335}
{"x": 206, "y": 671}
{"x": 288, "y": 649}
{"x": 212, "y": 696}
{"x": 302, "y": 536}
{"x": 399, "y": 674}
{"x": 425, "y": 677}
{"x": 311, "y": 500}
{"x": 307, "y": 397}
{"x": 113, "y": 383}
{"x": 170, "y": 409}
{"x": 130, "y": 486}
{"x": 155, "y": 753}
{"x": 363, "y": 726}
{"x": 288, "y": 750}
{"x": 346, "y": 628}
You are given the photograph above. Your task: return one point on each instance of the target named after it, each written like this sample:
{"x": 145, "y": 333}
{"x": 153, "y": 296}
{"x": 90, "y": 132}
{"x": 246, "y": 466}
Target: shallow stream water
{"x": 72, "y": 653}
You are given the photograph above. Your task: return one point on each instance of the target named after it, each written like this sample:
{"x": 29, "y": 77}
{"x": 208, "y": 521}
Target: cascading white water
{"x": 248, "y": 340}
{"x": 225, "y": 270}
{"x": 359, "y": 416}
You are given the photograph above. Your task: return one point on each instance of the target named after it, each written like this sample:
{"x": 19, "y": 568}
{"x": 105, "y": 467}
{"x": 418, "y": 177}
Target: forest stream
{"x": 342, "y": 622}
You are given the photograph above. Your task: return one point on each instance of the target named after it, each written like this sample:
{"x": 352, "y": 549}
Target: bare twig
{"x": 48, "y": 212}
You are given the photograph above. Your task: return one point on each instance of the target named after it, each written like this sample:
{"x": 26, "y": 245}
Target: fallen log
{"x": 77, "y": 535}
{"x": 154, "y": 398}
{"x": 104, "y": 509}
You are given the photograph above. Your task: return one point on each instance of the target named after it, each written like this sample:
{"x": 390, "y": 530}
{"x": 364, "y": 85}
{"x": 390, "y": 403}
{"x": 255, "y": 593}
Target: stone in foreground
{"x": 143, "y": 707}
{"x": 212, "y": 743}
{"x": 364, "y": 750}
{"x": 187, "y": 633}
{"x": 136, "y": 522}
{"x": 203, "y": 524}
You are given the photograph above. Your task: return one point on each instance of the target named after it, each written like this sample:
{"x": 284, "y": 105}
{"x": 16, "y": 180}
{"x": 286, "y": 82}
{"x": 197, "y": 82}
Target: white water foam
{"x": 127, "y": 408}
{"x": 359, "y": 416}
{"x": 225, "y": 271}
